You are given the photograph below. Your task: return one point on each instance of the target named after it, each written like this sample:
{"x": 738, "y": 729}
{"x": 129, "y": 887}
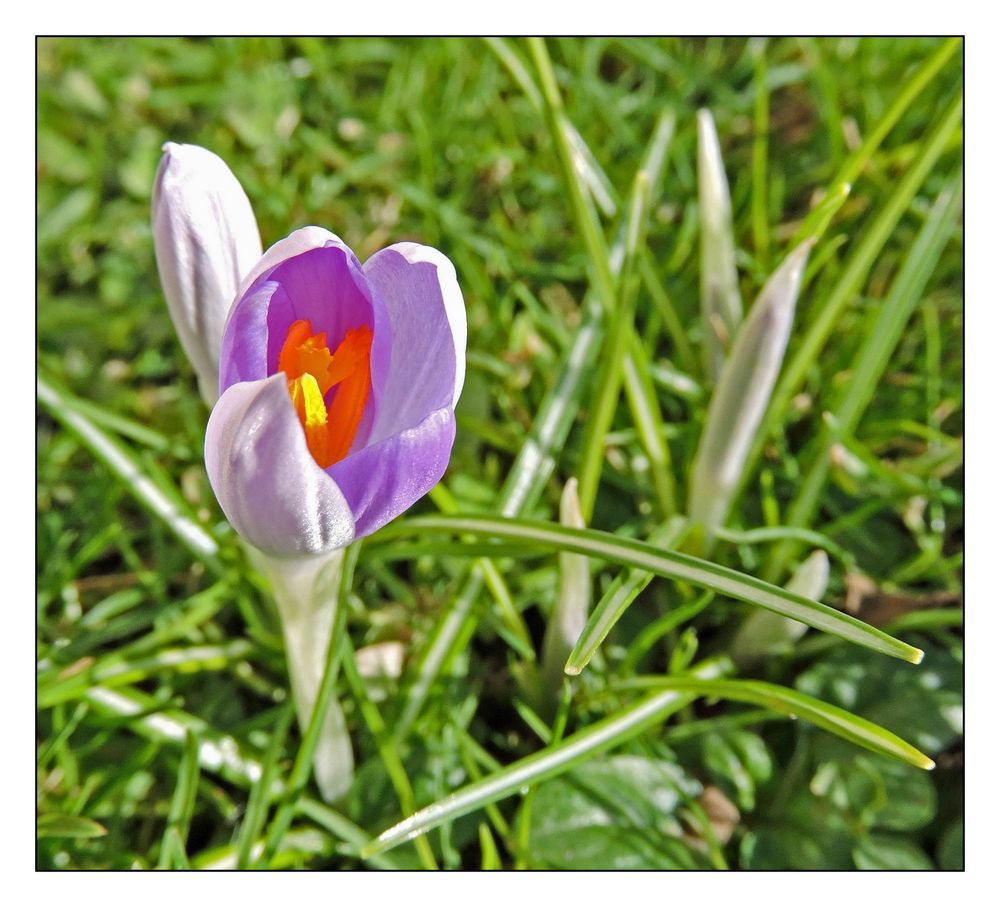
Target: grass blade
{"x": 127, "y": 469}
{"x": 797, "y": 705}
{"x": 853, "y": 166}
{"x": 262, "y": 791}
{"x": 546, "y": 763}
{"x": 871, "y": 360}
{"x": 609, "y": 376}
{"x": 852, "y": 278}
{"x": 534, "y": 465}
{"x": 672, "y": 565}
{"x": 644, "y": 409}
{"x": 173, "y": 853}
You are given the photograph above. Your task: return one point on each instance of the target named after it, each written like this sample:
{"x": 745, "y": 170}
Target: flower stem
{"x": 306, "y": 593}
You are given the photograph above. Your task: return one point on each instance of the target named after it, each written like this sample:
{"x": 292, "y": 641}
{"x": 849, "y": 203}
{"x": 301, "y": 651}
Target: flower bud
{"x": 206, "y": 240}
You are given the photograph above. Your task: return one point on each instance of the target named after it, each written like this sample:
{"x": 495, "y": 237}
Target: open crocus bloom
{"x": 338, "y": 385}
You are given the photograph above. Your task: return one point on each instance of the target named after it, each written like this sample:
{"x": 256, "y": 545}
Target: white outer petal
{"x": 269, "y": 486}
{"x": 206, "y": 239}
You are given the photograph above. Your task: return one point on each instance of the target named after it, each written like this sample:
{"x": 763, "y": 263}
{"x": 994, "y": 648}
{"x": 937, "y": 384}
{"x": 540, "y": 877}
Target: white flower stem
{"x": 305, "y": 590}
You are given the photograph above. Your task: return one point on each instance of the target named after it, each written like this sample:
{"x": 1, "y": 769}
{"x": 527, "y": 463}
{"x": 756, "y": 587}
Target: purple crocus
{"x": 337, "y": 380}
{"x": 338, "y": 385}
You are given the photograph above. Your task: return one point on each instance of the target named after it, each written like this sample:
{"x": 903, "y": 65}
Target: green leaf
{"x": 619, "y": 595}
{"x": 740, "y": 758}
{"x": 890, "y": 852}
{"x": 547, "y": 763}
{"x": 53, "y": 825}
{"x": 873, "y": 357}
{"x": 951, "y": 849}
{"x": 790, "y": 702}
{"x": 672, "y": 565}
{"x": 613, "y": 814}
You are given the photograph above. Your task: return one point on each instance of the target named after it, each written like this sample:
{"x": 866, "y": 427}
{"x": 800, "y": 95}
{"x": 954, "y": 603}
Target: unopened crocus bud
{"x": 206, "y": 241}
{"x": 742, "y": 394}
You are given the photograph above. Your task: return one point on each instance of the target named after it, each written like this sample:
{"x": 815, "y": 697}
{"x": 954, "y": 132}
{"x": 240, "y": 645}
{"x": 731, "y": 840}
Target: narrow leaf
{"x": 127, "y": 469}
{"x": 798, "y": 705}
{"x": 673, "y": 565}
{"x": 613, "y": 604}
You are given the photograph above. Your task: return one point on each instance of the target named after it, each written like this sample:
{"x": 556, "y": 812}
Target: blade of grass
{"x": 387, "y": 749}
{"x": 645, "y": 411}
{"x": 173, "y": 853}
{"x": 532, "y": 468}
{"x": 758, "y": 166}
{"x": 795, "y": 704}
{"x": 645, "y": 640}
{"x": 590, "y": 171}
{"x": 851, "y": 280}
{"x": 609, "y": 375}
{"x": 672, "y": 565}
{"x": 667, "y": 311}
{"x": 547, "y": 763}
{"x": 126, "y": 468}
{"x": 871, "y": 359}
{"x": 261, "y": 793}
{"x": 219, "y": 754}
{"x": 115, "y": 670}
{"x": 853, "y": 165}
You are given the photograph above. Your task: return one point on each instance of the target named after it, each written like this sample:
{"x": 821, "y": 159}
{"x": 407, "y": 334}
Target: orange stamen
{"x": 312, "y": 370}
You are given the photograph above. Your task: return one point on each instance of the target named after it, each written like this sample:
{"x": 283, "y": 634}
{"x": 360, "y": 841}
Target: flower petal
{"x": 386, "y": 478}
{"x": 206, "y": 239}
{"x": 267, "y": 482}
{"x": 297, "y": 242}
{"x": 320, "y": 281}
{"x": 419, "y": 289}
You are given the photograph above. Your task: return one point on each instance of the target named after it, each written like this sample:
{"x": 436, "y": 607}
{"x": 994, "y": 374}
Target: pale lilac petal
{"x": 297, "y": 242}
{"x": 244, "y": 344}
{"x": 386, "y": 478}
{"x": 205, "y": 238}
{"x": 426, "y": 370}
{"x": 265, "y": 479}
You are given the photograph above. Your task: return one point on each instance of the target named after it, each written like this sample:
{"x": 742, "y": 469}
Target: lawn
{"x": 562, "y": 178}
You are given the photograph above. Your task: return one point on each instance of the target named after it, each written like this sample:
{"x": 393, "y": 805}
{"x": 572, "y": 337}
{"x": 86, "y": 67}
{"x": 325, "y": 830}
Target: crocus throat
{"x": 329, "y": 390}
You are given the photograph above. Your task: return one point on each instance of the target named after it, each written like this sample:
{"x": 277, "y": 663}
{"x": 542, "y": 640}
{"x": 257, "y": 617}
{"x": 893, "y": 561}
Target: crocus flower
{"x": 338, "y": 385}
{"x": 333, "y": 387}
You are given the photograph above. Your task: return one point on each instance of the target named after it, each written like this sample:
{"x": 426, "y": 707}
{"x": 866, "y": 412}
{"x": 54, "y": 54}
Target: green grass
{"x": 561, "y": 179}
